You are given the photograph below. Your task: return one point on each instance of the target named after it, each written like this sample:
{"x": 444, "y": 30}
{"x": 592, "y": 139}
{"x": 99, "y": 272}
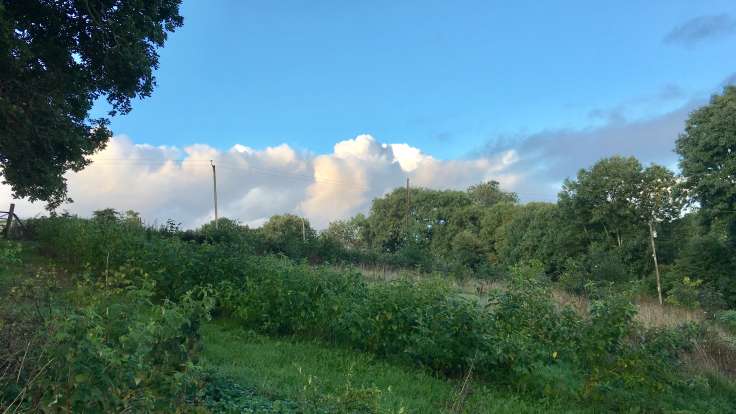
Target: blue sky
{"x": 447, "y": 77}
{"x": 316, "y": 108}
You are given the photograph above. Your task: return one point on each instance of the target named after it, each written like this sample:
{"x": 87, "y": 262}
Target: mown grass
{"x": 283, "y": 367}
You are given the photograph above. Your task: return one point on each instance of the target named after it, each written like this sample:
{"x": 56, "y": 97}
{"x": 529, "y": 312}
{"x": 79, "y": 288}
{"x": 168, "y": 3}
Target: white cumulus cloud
{"x": 163, "y": 182}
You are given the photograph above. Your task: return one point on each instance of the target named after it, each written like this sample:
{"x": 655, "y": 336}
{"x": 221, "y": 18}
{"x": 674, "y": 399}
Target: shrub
{"x": 383, "y": 319}
{"x": 10, "y": 253}
{"x": 684, "y": 292}
{"x": 710, "y": 259}
{"x": 117, "y": 351}
{"x": 528, "y": 328}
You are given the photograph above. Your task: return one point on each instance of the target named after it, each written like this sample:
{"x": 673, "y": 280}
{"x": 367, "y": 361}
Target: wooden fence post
{"x": 9, "y": 221}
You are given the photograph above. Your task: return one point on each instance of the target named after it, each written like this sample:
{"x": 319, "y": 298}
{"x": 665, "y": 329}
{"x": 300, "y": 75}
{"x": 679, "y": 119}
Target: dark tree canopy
{"x": 707, "y": 151}
{"x": 489, "y": 193}
{"x": 56, "y": 59}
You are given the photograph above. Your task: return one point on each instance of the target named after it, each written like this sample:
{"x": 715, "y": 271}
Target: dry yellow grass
{"x": 716, "y": 353}
{"x": 652, "y": 314}
{"x": 577, "y": 302}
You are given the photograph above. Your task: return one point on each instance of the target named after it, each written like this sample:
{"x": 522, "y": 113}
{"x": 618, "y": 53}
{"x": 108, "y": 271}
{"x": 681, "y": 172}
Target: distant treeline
{"x": 602, "y": 229}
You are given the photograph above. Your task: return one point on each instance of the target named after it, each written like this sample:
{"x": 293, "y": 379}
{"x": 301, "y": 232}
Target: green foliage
{"x": 279, "y": 297}
{"x": 10, "y": 253}
{"x": 107, "y": 346}
{"x": 350, "y": 234}
{"x": 349, "y": 399}
{"x": 226, "y": 231}
{"x": 56, "y": 59}
{"x": 520, "y": 336}
{"x": 289, "y": 234}
{"x": 602, "y": 199}
{"x": 706, "y": 150}
{"x": 119, "y": 351}
{"x": 610, "y": 207}
{"x": 489, "y": 193}
{"x": 708, "y": 258}
{"x": 535, "y": 231}
{"x": 467, "y": 249}
{"x": 224, "y": 395}
{"x": 384, "y": 317}
{"x": 684, "y": 292}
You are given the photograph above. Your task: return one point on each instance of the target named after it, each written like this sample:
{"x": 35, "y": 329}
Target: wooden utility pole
{"x": 652, "y": 235}
{"x": 214, "y": 188}
{"x": 9, "y": 222}
{"x": 408, "y": 205}
{"x": 304, "y": 231}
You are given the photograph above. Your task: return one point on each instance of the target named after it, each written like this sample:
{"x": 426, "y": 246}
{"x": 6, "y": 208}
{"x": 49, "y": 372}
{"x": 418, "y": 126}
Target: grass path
{"x": 310, "y": 372}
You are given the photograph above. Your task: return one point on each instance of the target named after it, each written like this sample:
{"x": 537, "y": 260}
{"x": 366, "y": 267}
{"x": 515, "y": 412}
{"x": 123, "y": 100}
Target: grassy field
{"x": 312, "y": 374}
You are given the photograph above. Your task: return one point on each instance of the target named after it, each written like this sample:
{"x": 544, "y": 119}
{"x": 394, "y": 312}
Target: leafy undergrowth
{"x": 100, "y": 344}
{"x": 321, "y": 379}
{"x": 224, "y": 395}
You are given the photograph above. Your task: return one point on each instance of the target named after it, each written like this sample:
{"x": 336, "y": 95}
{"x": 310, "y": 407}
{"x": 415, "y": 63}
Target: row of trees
{"x": 604, "y": 227}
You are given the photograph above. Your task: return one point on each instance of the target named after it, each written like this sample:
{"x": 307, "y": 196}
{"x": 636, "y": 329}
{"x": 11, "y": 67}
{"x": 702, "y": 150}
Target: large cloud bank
{"x": 168, "y": 182}
{"x": 253, "y": 184}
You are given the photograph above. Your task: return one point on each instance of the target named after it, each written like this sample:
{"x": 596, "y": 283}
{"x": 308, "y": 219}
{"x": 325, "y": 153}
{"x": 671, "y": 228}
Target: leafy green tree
{"x": 659, "y": 199}
{"x": 617, "y": 204}
{"x": 393, "y": 222}
{"x": 658, "y": 202}
{"x": 289, "y": 234}
{"x": 350, "y": 234}
{"x": 491, "y": 228}
{"x": 603, "y": 199}
{"x": 133, "y": 217}
{"x": 467, "y": 249}
{"x": 489, "y": 193}
{"x": 707, "y": 152}
{"x": 457, "y": 219}
{"x": 106, "y": 215}
{"x": 226, "y": 231}
{"x": 56, "y": 59}
{"x": 708, "y": 258}
{"x": 387, "y": 220}
{"x": 535, "y": 231}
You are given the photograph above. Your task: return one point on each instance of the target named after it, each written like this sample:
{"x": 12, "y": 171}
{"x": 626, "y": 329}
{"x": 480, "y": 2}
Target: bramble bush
{"x": 108, "y": 346}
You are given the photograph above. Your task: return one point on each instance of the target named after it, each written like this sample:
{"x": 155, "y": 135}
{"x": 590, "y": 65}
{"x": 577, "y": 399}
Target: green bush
{"x": 684, "y": 292}
{"x": 10, "y": 253}
{"x": 709, "y": 258}
{"x": 115, "y": 350}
